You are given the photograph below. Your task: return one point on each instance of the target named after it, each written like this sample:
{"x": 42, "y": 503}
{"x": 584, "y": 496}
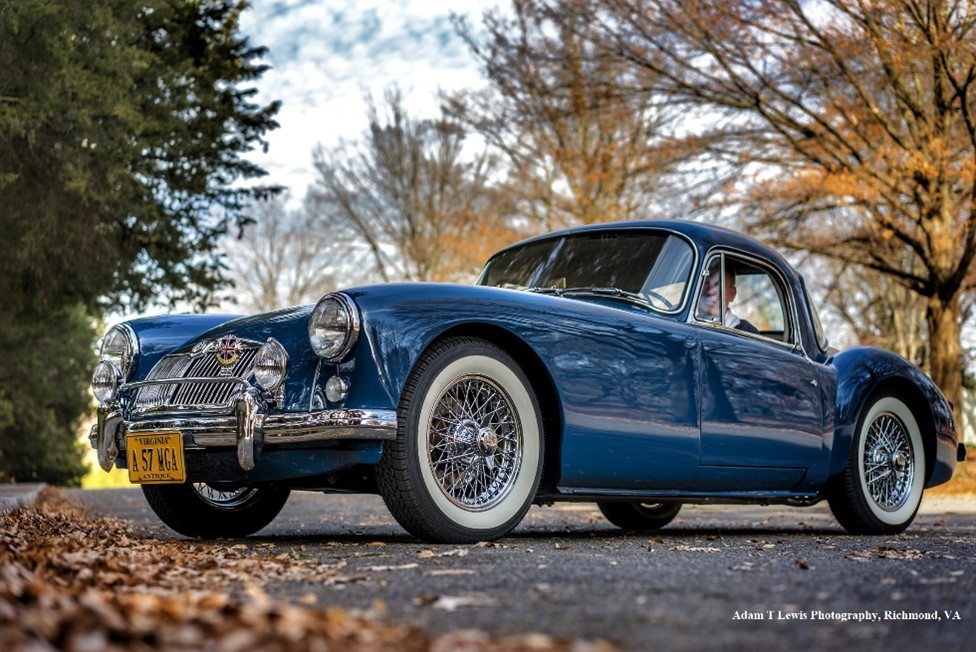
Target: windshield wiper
{"x": 616, "y": 293}
{"x": 632, "y": 297}
{"x": 553, "y": 291}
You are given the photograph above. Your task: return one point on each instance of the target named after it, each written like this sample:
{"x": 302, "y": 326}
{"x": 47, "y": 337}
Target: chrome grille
{"x": 189, "y": 396}
{"x": 156, "y": 396}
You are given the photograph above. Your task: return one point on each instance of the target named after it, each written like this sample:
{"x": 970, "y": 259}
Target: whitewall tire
{"x": 468, "y": 455}
{"x": 881, "y": 489}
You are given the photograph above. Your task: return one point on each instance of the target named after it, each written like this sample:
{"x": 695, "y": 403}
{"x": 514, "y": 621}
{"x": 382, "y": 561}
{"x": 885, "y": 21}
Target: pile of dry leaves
{"x": 72, "y": 583}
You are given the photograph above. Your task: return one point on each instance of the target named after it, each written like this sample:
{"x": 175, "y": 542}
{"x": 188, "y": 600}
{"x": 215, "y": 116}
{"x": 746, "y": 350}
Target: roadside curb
{"x": 15, "y": 496}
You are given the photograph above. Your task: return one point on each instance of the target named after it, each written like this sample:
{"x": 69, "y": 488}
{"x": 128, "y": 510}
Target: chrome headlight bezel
{"x": 270, "y": 365}
{"x": 333, "y": 327}
{"x": 105, "y": 381}
{"x": 120, "y": 346}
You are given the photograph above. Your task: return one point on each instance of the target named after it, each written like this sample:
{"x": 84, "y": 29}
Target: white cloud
{"x": 325, "y": 55}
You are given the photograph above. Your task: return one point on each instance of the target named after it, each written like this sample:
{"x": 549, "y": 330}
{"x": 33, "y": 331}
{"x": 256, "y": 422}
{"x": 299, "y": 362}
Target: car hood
{"x": 288, "y": 325}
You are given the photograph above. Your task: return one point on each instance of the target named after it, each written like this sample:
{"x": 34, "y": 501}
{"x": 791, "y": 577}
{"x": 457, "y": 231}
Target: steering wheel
{"x": 659, "y": 297}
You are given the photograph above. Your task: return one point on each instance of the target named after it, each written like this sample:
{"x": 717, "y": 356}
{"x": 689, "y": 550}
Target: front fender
{"x": 401, "y": 320}
{"x": 864, "y": 371}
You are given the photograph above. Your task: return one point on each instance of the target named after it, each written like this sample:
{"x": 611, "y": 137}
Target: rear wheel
{"x": 468, "y": 455}
{"x": 641, "y": 517}
{"x": 880, "y": 490}
{"x": 202, "y": 510}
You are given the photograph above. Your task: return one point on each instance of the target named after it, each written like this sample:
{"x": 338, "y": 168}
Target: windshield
{"x": 650, "y": 265}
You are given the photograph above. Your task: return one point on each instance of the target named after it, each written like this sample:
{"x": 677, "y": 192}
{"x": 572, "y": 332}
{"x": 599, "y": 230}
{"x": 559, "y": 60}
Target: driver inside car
{"x": 711, "y": 298}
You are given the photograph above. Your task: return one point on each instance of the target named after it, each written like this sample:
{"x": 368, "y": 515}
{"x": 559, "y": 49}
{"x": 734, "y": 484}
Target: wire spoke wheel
{"x": 468, "y": 455}
{"x": 889, "y": 465}
{"x": 474, "y": 443}
{"x": 881, "y": 488}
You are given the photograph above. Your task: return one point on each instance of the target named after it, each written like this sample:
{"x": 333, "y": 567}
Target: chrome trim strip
{"x": 314, "y": 385}
{"x": 198, "y": 409}
{"x": 212, "y": 380}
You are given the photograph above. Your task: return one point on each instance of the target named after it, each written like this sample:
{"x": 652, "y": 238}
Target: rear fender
{"x": 864, "y": 372}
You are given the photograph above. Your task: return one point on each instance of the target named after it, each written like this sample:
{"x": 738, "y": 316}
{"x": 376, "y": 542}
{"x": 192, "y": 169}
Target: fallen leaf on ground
{"x": 684, "y": 548}
{"x": 884, "y": 552}
{"x": 73, "y": 583}
{"x": 455, "y": 602}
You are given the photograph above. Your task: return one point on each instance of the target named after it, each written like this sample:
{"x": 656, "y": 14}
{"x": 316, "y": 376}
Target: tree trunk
{"x": 945, "y": 354}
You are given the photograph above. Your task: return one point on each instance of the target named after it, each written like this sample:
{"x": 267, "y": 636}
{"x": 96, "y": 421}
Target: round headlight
{"x": 119, "y": 347}
{"x": 333, "y": 327}
{"x": 105, "y": 381}
{"x": 270, "y": 365}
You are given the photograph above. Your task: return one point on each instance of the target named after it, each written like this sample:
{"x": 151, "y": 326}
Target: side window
{"x": 743, "y": 296}
{"x": 707, "y": 308}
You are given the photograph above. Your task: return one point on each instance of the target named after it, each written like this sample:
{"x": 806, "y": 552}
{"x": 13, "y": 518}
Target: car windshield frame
{"x": 545, "y": 266}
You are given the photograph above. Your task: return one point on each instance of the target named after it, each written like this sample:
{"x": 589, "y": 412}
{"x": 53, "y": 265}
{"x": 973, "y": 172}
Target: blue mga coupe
{"x": 638, "y": 365}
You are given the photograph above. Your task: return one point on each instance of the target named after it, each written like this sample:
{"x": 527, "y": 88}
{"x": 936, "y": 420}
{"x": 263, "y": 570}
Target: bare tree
{"x": 282, "y": 259}
{"x": 580, "y": 150}
{"x": 874, "y": 307}
{"x": 420, "y": 201}
{"x": 851, "y": 123}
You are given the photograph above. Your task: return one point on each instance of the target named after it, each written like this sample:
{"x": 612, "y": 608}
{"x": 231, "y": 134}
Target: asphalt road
{"x": 743, "y": 578}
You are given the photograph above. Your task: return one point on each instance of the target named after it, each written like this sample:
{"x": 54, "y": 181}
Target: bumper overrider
{"x": 249, "y": 428}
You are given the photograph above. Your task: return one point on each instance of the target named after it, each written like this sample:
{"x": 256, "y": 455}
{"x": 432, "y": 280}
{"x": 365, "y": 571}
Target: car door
{"x": 761, "y": 412}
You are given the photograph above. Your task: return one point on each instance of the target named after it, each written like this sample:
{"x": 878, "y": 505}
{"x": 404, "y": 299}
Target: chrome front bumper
{"x": 249, "y": 428}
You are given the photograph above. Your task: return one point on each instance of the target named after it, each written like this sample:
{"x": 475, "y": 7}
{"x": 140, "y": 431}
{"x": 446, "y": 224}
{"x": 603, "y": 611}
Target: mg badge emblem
{"x": 228, "y": 350}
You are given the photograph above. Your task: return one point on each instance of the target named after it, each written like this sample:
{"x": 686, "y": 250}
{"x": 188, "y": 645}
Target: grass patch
{"x": 96, "y": 478}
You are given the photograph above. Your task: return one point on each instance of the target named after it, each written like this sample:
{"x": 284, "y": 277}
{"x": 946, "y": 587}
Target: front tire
{"x": 202, "y": 511}
{"x": 640, "y": 517}
{"x": 880, "y": 490}
{"x": 468, "y": 455}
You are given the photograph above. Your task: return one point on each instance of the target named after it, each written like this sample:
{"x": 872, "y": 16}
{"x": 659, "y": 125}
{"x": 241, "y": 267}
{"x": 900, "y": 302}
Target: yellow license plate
{"x": 155, "y": 458}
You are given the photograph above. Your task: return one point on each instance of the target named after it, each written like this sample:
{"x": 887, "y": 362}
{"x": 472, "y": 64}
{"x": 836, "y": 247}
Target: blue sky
{"x": 326, "y": 55}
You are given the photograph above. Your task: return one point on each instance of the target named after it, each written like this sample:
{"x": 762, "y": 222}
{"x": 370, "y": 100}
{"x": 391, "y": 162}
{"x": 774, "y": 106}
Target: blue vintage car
{"x": 639, "y": 365}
